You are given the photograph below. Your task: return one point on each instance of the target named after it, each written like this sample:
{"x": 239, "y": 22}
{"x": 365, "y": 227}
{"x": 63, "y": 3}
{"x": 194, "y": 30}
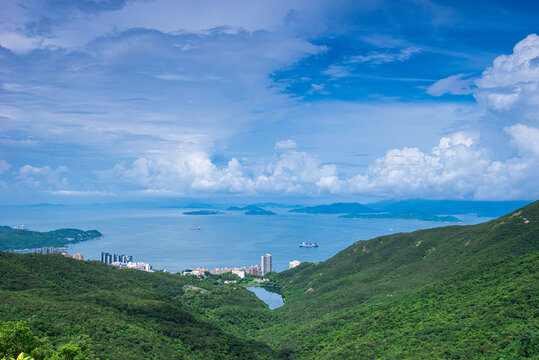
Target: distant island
{"x": 336, "y": 208}
{"x": 259, "y": 212}
{"x": 18, "y": 239}
{"x": 202, "y": 212}
{"x": 411, "y": 216}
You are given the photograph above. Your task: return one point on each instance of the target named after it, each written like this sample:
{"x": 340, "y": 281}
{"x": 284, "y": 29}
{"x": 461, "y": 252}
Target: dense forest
{"x": 458, "y": 292}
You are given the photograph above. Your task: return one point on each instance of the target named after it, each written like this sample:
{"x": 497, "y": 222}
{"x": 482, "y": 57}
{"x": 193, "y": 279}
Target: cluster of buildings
{"x": 107, "y": 258}
{"x": 251, "y": 270}
{"x": 125, "y": 261}
{"x": 55, "y": 250}
{"x": 266, "y": 265}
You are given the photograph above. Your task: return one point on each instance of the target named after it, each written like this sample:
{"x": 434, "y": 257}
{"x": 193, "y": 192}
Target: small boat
{"x": 196, "y": 228}
{"x": 304, "y": 244}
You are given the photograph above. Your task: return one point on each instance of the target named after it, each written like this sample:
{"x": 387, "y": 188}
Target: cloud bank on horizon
{"x": 270, "y": 98}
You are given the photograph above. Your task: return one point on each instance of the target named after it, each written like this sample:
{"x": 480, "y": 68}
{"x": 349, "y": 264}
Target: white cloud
{"x": 456, "y": 85}
{"x": 525, "y": 139}
{"x": 385, "y": 57}
{"x": 286, "y": 145}
{"x": 512, "y": 82}
{"x": 4, "y": 166}
{"x": 191, "y": 171}
{"x": 346, "y": 68}
{"x": 338, "y": 71}
{"x": 17, "y": 42}
{"x": 39, "y": 177}
{"x": 458, "y": 167}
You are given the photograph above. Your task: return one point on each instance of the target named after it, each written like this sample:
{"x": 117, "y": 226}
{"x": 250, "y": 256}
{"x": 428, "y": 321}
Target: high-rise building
{"x": 110, "y": 258}
{"x": 292, "y": 264}
{"x": 266, "y": 264}
{"x": 78, "y": 256}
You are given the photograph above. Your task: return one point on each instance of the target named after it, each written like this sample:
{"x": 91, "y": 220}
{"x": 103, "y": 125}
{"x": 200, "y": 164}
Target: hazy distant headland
{"x": 414, "y": 209}
{"x": 336, "y": 208}
{"x": 410, "y": 216}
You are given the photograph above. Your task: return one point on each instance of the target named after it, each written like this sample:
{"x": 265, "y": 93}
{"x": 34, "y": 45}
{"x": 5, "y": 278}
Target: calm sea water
{"x": 164, "y": 237}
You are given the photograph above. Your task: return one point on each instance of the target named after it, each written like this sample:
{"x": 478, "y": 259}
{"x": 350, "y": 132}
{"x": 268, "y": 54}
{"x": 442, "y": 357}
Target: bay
{"x": 164, "y": 236}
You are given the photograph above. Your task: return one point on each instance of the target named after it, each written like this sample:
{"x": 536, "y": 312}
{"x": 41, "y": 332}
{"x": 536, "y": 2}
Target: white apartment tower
{"x": 266, "y": 264}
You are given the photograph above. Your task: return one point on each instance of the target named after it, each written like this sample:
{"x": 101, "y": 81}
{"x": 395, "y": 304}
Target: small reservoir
{"x": 273, "y": 299}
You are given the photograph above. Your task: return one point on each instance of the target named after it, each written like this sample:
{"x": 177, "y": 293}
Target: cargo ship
{"x": 304, "y": 244}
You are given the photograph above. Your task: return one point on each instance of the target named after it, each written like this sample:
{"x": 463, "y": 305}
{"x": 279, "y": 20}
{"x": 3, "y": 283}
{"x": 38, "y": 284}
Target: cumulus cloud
{"x": 457, "y": 166}
{"x": 512, "y": 80}
{"x": 191, "y": 170}
{"x": 525, "y": 139}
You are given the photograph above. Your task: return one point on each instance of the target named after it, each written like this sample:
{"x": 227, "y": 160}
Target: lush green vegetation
{"x": 337, "y": 208}
{"x": 15, "y": 239}
{"x": 406, "y": 295}
{"x": 18, "y": 342}
{"x": 458, "y": 292}
{"x": 130, "y": 314}
{"x": 202, "y": 212}
{"x": 410, "y": 215}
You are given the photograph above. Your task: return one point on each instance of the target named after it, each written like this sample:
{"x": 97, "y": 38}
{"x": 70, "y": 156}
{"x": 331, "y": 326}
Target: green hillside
{"x": 458, "y": 292}
{"x": 335, "y": 307}
{"x": 16, "y": 239}
{"x": 129, "y": 314}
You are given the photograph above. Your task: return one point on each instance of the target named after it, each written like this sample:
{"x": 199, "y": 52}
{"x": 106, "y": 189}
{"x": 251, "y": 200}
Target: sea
{"x": 166, "y": 237}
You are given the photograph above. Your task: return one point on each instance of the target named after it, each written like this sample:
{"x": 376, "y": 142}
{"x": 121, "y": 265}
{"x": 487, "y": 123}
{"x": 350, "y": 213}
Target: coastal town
{"x": 124, "y": 261}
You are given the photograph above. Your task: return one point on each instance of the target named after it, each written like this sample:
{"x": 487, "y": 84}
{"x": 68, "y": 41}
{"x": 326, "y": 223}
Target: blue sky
{"x": 363, "y": 100}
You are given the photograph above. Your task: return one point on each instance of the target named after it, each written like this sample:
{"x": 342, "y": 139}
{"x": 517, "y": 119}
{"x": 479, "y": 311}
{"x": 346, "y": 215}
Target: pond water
{"x": 273, "y": 299}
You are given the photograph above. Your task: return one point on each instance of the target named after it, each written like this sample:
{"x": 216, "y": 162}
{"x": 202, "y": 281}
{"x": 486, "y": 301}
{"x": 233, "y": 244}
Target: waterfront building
{"x": 78, "y": 256}
{"x": 112, "y": 258}
{"x": 199, "y": 271}
{"x": 292, "y": 264}
{"x": 143, "y": 266}
{"x": 253, "y": 270}
{"x": 240, "y": 273}
{"x": 48, "y": 250}
{"x": 266, "y": 264}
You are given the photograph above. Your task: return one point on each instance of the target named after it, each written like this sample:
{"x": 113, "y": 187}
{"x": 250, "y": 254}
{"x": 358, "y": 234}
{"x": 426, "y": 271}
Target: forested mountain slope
{"x": 342, "y": 302}
{"x": 130, "y": 314}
